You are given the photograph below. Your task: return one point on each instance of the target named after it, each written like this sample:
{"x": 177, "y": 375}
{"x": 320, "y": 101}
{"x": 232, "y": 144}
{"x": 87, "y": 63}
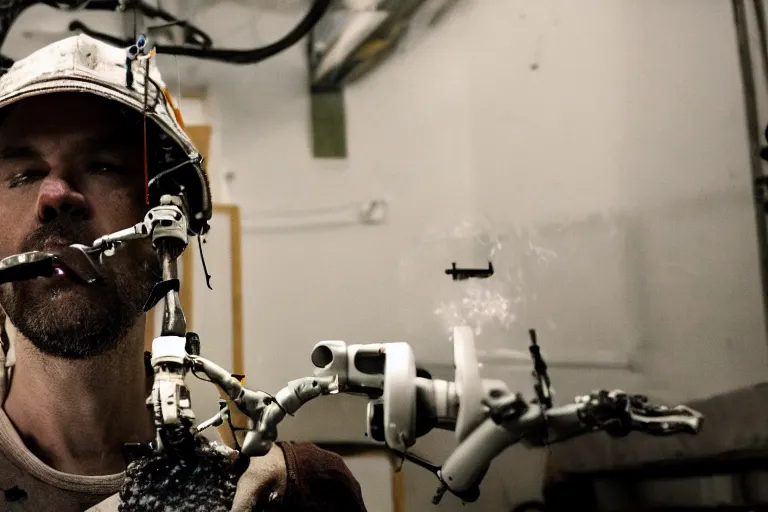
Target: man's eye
{"x": 107, "y": 168}
{"x": 25, "y": 177}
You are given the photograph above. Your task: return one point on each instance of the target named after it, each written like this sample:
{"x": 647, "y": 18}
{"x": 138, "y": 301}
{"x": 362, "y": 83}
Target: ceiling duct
{"x": 356, "y": 36}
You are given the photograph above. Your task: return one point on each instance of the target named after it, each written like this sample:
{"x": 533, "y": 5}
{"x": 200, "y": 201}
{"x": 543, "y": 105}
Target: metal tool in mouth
{"x": 25, "y": 266}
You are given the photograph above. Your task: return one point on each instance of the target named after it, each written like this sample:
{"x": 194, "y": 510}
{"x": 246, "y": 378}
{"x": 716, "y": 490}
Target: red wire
{"x": 146, "y": 163}
{"x": 146, "y": 156}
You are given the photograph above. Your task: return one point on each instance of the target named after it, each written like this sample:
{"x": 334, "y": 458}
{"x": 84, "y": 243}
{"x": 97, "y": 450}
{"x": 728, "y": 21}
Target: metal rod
{"x": 753, "y": 136}
{"x": 763, "y": 33}
{"x": 174, "y": 322}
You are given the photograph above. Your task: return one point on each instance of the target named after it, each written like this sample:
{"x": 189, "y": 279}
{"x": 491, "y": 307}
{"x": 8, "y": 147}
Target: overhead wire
{"x": 199, "y": 46}
{"x": 252, "y": 56}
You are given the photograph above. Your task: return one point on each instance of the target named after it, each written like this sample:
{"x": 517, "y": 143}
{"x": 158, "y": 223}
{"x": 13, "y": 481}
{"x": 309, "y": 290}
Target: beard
{"x": 64, "y": 318}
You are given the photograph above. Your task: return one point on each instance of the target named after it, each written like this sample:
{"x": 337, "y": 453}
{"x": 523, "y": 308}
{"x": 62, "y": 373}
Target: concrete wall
{"x": 596, "y": 151}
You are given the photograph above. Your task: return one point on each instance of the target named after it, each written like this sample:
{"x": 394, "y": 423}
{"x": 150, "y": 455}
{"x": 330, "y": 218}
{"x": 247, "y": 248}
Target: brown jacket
{"x": 319, "y": 481}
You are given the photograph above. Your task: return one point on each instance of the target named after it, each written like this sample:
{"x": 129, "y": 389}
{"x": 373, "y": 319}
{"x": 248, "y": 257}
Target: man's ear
{"x": 5, "y": 341}
{"x": 7, "y": 333}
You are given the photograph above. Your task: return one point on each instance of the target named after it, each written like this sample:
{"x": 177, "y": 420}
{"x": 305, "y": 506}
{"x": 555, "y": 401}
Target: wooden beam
{"x": 237, "y": 418}
{"x": 398, "y": 487}
{"x": 198, "y": 94}
{"x": 201, "y": 137}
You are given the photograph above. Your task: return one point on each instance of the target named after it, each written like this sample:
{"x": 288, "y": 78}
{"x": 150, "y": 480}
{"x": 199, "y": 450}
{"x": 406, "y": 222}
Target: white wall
{"x": 601, "y": 144}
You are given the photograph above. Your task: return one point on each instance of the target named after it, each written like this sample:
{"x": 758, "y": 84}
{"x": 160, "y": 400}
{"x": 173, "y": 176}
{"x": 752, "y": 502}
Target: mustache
{"x": 60, "y": 232}
{"x": 64, "y": 233}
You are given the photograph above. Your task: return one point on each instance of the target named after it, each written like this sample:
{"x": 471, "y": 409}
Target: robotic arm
{"x": 485, "y": 416}
{"x": 263, "y": 410}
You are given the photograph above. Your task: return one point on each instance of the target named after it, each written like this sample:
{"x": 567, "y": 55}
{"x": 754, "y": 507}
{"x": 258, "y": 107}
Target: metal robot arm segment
{"x": 289, "y": 400}
{"x": 615, "y": 412}
{"x": 165, "y": 222}
{"x": 265, "y": 412}
{"x": 385, "y": 370}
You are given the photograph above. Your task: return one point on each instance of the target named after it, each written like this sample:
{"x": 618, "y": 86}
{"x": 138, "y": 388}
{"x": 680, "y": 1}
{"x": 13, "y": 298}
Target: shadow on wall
{"x": 670, "y": 291}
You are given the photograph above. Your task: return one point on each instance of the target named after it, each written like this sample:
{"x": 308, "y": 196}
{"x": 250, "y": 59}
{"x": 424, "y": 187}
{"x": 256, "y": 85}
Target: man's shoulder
{"x": 311, "y": 456}
{"x": 319, "y": 479}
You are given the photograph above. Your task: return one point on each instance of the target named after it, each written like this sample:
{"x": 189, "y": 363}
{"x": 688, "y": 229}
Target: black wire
{"x": 202, "y": 258}
{"x": 158, "y": 12}
{"x": 204, "y": 379}
{"x": 230, "y": 56}
{"x": 234, "y": 432}
{"x": 207, "y": 52}
{"x": 168, "y": 171}
{"x": 415, "y": 459}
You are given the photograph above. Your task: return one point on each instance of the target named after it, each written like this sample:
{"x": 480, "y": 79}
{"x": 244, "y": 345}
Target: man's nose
{"x": 57, "y": 197}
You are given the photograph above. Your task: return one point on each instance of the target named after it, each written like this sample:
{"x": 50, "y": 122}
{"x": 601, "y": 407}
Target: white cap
{"x": 84, "y": 64}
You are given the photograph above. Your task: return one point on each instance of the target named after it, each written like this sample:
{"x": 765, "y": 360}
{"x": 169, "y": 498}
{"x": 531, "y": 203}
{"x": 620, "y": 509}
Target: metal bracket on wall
{"x": 328, "y": 116}
{"x": 329, "y": 122}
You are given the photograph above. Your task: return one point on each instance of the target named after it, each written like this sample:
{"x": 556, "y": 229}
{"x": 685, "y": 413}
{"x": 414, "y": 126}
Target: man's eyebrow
{"x": 109, "y": 141}
{"x": 20, "y": 152}
{"x": 100, "y": 142}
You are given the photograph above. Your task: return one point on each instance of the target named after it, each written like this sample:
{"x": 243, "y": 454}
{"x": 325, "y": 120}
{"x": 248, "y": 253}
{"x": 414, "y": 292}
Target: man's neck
{"x": 75, "y": 415}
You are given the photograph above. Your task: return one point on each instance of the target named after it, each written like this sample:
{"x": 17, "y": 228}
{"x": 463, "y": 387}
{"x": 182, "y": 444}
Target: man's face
{"x": 71, "y": 170}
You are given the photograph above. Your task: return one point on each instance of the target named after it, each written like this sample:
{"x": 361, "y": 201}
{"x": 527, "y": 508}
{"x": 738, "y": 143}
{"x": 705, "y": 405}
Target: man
{"x": 72, "y": 168}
